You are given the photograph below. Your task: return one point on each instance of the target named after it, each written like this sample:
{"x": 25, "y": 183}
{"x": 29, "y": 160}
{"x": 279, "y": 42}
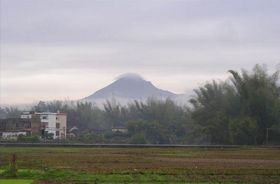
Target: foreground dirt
{"x": 247, "y": 164}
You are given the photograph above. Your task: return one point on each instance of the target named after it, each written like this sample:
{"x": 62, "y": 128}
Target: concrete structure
{"x": 12, "y": 135}
{"x": 54, "y": 124}
{"x": 27, "y": 114}
{"x": 11, "y": 128}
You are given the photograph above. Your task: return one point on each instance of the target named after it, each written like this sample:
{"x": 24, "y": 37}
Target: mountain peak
{"x": 130, "y": 86}
{"x": 130, "y": 76}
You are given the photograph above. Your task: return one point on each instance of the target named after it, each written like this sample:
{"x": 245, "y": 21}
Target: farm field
{"x": 141, "y": 165}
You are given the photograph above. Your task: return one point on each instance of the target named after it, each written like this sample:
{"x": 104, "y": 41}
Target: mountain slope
{"x": 130, "y": 86}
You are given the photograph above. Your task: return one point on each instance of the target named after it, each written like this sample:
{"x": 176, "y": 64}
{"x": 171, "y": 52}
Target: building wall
{"x": 61, "y": 120}
{"x": 12, "y": 127}
{"x": 48, "y": 121}
{"x": 15, "y": 125}
{"x": 36, "y": 125}
{"x": 54, "y": 123}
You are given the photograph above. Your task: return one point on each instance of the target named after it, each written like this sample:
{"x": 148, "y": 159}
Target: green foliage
{"x": 259, "y": 94}
{"x": 138, "y": 138}
{"x": 239, "y": 112}
{"x": 146, "y": 132}
{"x": 114, "y": 113}
{"x": 22, "y": 138}
{"x": 210, "y": 112}
{"x": 160, "y": 121}
{"x": 48, "y": 136}
{"x": 243, "y": 131}
{"x": 92, "y": 138}
{"x": 11, "y": 171}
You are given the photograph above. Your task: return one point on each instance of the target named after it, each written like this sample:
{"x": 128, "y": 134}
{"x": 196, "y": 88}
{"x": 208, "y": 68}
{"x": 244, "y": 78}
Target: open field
{"x": 143, "y": 165}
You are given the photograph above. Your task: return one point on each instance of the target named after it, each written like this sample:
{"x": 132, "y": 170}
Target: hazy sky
{"x": 67, "y": 49}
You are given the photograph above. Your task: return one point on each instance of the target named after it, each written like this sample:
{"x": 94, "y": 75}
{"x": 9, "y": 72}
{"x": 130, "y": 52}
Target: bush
{"x": 138, "y": 139}
{"x": 23, "y": 138}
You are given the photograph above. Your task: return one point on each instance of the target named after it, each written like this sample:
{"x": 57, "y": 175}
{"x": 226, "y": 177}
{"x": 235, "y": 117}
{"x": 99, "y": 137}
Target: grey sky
{"x": 68, "y": 49}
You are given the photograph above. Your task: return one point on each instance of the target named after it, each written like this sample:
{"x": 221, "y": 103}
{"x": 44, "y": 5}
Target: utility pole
{"x": 267, "y": 130}
{"x": 13, "y": 165}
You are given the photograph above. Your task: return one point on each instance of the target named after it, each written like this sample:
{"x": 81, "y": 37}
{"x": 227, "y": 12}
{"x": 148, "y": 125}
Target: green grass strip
{"x": 15, "y": 181}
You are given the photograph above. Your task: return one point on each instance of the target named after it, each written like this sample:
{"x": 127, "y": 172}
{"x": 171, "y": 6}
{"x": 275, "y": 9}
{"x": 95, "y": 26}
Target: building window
{"x": 57, "y": 133}
{"x": 44, "y": 117}
{"x": 57, "y": 125}
{"x": 27, "y": 125}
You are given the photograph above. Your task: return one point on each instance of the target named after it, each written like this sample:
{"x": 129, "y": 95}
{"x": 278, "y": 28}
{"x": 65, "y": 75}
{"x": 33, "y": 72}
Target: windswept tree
{"x": 159, "y": 121}
{"x": 258, "y": 93}
{"x": 115, "y": 114}
{"x": 241, "y": 111}
{"x": 210, "y": 112}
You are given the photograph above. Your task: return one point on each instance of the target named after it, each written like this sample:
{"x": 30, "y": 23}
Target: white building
{"x": 12, "y": 135}
{"x": 27, "y": 114}
{"x": 51, "y": 123}
{"x": 119, "y": 129}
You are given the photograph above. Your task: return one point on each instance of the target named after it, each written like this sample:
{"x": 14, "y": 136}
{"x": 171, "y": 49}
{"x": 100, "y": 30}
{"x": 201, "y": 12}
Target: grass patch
{"x": 180, "y": 176}
{"x": 15, "y": 181}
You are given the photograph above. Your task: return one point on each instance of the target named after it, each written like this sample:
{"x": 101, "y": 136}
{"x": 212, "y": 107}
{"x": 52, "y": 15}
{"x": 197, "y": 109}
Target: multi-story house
{"x": 11, "y": 128}
{"x": 54, "y": 124}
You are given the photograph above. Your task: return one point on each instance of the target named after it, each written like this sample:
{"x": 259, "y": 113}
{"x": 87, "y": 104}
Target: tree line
{"x": 244, "y": 109}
